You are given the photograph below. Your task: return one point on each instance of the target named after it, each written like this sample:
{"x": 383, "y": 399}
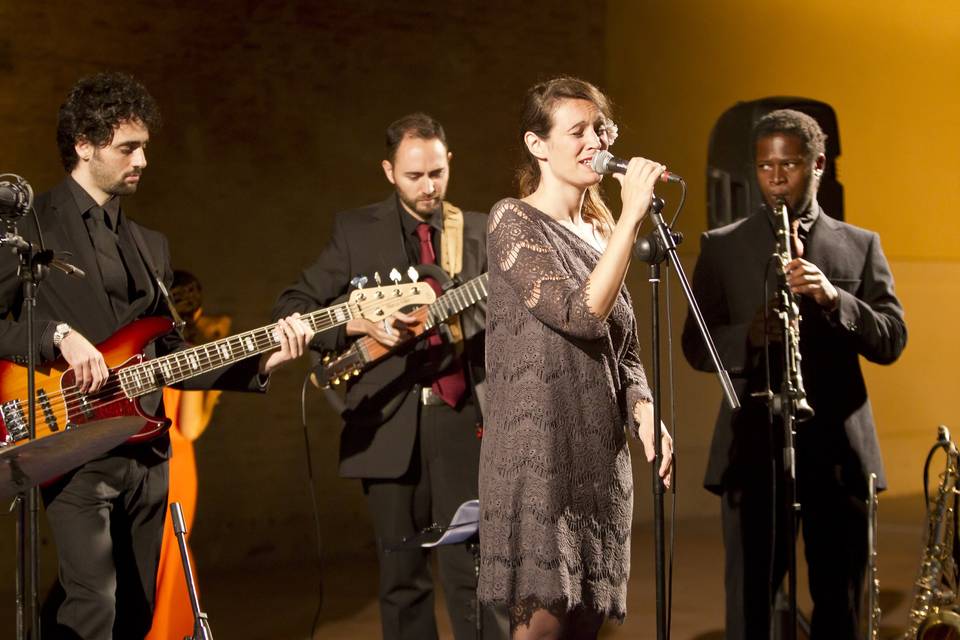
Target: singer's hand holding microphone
{"x": 637, "y": 178}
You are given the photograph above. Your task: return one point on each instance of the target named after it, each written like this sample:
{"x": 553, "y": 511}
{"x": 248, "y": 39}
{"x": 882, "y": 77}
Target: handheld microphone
{"x": 605, "y": 162}
{"x": 16, "y": 197}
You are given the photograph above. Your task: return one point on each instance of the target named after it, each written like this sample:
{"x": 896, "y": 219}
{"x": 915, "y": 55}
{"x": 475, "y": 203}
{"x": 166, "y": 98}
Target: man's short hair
{"x": 96, "y": 106}
{"x": 414, "y": 125}
{"x": 794, "y": 123}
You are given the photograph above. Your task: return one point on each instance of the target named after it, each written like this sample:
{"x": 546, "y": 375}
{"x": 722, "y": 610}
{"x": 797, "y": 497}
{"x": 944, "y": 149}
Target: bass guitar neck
{"x": 365, "y": 352}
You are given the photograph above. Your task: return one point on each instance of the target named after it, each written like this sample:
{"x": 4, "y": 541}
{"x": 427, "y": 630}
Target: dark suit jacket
{"x": 729, "y": 283}
{"x": 83, "y": 303}
{"x": 381, "y": 415}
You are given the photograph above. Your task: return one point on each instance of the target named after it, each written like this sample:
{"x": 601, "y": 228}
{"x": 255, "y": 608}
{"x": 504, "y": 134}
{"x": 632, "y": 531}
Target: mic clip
{"x": 652, "y": 249}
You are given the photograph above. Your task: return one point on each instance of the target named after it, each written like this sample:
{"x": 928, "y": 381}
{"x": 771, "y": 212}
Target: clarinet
{"x": 790, "y": 315}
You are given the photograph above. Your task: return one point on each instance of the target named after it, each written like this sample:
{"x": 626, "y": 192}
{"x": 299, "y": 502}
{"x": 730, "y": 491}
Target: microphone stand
{"x": 201, "y": 623}
{"x": 33, "y": 267}
{"x": 654, "y": 249}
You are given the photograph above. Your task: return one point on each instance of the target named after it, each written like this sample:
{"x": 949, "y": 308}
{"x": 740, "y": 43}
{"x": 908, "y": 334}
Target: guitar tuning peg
{"x": 413, "y": 274}
{"x": 395, "y": 276}
{"x": 376, "y": 277}
{"x": 359, "y": 282}
{"x": 326, "y": 358}
{"x": 335, "y": 382}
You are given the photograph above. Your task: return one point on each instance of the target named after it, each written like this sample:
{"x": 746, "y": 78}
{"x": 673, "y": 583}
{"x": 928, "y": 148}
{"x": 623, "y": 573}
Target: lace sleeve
{"x": 518, "y": 250}
{"x": 634, "y": 378}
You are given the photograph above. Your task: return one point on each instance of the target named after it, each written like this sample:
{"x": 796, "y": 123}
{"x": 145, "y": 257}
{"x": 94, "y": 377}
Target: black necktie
{"x": 112, "y": 270}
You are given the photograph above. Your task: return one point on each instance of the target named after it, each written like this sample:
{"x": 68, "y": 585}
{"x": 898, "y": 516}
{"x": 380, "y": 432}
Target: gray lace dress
{"x": 556, "y": 487}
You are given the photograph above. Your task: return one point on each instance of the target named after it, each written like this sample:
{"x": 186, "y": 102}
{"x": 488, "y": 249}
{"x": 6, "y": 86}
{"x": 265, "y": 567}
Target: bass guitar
{"x": 366, "y": 351}
{"x": 60, "y": 406}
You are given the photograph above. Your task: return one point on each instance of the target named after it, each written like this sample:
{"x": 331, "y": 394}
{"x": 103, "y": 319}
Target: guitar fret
{"x": 145, "y": 377}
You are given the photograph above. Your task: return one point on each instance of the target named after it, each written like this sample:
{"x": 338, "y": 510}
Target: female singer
{"x": 564, "y": 376}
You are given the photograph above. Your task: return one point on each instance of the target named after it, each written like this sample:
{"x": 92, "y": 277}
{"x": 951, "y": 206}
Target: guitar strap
{"x": 451, "y": 260}
{"x": 141, "y": 243}
{"x": 451, "y": 256}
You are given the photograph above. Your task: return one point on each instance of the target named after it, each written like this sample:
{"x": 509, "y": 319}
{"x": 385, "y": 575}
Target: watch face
{"x": 60, "y": 333}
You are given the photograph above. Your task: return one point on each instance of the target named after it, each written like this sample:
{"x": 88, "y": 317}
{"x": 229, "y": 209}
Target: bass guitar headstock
{"x": 378, "y": 302}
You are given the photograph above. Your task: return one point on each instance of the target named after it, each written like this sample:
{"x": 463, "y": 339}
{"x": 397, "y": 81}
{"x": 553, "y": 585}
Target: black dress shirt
{"x": 128, "y": 284}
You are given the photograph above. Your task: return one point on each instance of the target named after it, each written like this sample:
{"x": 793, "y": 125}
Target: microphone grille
{"x": 601, "y": 162}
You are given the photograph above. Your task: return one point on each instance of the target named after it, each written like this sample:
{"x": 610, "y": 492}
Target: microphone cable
{"x": 313, "y": 501}
{"x": 673, "y": 422}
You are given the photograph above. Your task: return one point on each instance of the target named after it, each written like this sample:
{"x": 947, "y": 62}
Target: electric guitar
{"x": 60, "y": 406}
{"x": 366, "y": 351}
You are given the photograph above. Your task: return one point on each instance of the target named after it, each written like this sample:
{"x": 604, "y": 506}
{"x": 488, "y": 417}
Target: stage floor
{"x": 280, "y": 602}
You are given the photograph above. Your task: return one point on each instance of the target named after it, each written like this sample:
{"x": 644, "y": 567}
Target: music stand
{"x": 464, "y": 528}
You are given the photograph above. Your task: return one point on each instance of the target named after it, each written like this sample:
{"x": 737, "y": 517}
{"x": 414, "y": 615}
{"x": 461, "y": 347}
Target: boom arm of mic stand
{"x": 666, "y": 237}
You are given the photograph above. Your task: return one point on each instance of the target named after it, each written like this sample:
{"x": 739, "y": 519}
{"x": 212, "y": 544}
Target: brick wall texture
{"x": 273, "y": 120}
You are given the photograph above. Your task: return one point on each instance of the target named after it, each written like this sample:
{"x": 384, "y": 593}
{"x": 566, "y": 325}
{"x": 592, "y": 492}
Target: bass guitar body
{"x": 59, "y": 404}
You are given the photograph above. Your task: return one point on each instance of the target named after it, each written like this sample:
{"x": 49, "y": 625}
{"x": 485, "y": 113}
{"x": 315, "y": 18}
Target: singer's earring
{"x": 818, "y": 173}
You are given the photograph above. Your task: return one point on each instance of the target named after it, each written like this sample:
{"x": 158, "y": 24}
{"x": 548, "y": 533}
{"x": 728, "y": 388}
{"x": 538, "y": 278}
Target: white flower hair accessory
{"x": 610, "y": 132}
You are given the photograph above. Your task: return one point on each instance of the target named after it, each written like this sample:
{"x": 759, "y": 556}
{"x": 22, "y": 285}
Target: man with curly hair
{"x": 848, "y": 309}
{"x": 107, "y": 516}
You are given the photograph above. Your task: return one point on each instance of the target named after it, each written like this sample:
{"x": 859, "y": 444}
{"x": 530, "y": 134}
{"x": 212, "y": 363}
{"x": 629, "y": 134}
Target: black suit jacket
{"x": 381, "y": 415}
{"x": 82, "y": 302}
{"x": 729, "y": 283}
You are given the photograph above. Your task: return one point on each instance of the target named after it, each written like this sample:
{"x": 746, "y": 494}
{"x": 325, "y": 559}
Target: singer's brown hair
{"x": 96, "y": 106}
{"x": 537, "y": 117}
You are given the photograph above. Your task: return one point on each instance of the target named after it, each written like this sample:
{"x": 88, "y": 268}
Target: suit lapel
{"x": 825, "y": 246}
{"x": 391, "y": 250}
{"x": 68, "y": 233}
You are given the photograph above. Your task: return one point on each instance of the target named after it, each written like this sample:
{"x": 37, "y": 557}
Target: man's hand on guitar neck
{"x": 87, "y": 363}
{"x": 295, "y": 335}
{"x": 389, "y": 332}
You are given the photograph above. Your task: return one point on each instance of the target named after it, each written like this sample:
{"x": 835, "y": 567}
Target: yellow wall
{"x": 890, "y": 70}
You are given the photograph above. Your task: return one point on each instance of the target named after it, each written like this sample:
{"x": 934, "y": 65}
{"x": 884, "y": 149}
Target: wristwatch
{"x": 61, "y": 331}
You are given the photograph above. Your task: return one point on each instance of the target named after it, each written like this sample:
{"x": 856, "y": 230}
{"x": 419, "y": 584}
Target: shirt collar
{"x": 410, "y": 223}
{"x": 807, "y": 218}
{"x": 85, "y": 202}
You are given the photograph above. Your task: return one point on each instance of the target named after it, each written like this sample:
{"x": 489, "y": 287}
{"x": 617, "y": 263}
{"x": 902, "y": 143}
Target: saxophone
{"x": 935, "y": 614}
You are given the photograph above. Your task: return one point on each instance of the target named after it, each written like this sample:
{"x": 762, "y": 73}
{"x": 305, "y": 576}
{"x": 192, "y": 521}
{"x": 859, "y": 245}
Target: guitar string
{"x": 476, "y": 283}
{"x": 476, "y": 288}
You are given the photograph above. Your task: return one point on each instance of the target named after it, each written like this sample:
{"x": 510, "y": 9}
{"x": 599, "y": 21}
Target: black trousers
{"x": 442, "y": 475}
{"x": 107, "y": 522}
{"x": 834, "y": 524}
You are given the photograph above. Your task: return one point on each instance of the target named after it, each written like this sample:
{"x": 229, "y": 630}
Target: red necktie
{"x": 451, "y": 385}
